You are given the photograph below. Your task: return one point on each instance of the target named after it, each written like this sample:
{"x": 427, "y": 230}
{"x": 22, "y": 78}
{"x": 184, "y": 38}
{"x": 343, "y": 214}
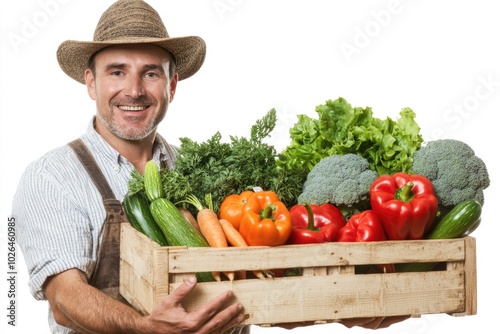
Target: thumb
{"x": 171, "y": 303}
{"x": 183, "y": 290}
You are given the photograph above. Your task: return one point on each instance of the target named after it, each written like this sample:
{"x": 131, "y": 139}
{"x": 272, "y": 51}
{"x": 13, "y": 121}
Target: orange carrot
{"x": 209, "y": 223}
{"x": 235, "y": 239}
{"x": 210, "y": 227}
{"x": 233, "y": 236}
{"x": 190, "y": 218}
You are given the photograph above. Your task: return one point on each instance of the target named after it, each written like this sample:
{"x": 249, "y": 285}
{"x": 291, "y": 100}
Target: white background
{"x": 440, "y": 58}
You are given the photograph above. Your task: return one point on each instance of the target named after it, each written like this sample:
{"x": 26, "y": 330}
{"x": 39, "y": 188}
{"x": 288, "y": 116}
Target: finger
{"x": 223, "y": 325}
{"x": 382, "y": 322}
{"x": 374, "y": 324}
{"x": 181, "y": 291}
{"x": 386, "y": 322}
{"x": 292, "y": 325}
{"x": 231, "y": 326}
{"x": 349, "y": 323}
{"x": 216, "y": 305}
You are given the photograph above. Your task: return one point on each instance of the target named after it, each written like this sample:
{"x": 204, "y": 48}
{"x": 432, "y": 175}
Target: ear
{"x": 173, "y": 86}
{"x": 90, "y": 82}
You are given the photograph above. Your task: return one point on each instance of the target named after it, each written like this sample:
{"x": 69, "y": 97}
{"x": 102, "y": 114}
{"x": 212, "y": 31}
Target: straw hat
{"x": 131, "y": 22}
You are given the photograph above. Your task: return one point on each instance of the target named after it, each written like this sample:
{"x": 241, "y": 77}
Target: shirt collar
{"x": 100, "y": 145}
{"x": 160, "y": 154}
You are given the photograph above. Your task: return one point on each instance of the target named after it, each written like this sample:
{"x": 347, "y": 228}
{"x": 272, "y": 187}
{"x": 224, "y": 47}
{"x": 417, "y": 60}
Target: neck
{"x": 137, "y": 152}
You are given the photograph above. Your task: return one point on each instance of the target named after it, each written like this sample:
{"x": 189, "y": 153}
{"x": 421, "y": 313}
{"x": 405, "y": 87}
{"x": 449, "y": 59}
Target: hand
{"x": 169, "y": 316}
{"x": 369, "y": 323}
{"x": 373, "y": 323}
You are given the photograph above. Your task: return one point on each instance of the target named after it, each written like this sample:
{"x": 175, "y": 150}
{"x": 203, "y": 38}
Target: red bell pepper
{"x": 313, "y": 223}
{"x": 405, "y": 203}
{"x": 363, "y": 226}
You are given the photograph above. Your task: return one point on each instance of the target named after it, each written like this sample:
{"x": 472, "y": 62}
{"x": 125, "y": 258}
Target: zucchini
{"x": 461, "y": 220}
{"x": 153, "y": 186}
{"x": 136, "y": 207}
{"x": 177, "y": 230}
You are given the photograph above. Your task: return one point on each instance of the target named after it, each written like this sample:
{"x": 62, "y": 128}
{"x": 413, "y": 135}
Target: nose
{"x": 135, "y": 87}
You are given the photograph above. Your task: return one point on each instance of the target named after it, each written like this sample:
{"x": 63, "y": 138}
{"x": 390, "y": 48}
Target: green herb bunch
{"x": 223, "y": 168}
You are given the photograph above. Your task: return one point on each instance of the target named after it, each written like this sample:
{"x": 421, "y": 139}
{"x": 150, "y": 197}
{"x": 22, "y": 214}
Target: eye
{"x": 116, "y": 73}
{"x": 152, "y": 74}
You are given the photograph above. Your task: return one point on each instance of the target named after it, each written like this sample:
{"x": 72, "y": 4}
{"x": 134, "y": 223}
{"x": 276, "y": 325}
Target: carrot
{"x": 190, "y": 218}
{"x": 210, "y": 227}
{"x": 209, "y": 224}
{"x": 233, "y": 236}
{"x": 235, "y": 239}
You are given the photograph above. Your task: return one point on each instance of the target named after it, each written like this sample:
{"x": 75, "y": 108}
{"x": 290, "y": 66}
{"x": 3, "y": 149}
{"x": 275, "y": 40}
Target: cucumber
{"x": 177, "y": 230}
{"x": 136, "y": 207}
{"x": 460, "y": 221}
{"x": 153, "y": 186}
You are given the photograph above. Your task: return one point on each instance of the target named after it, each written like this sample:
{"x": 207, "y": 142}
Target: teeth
{"x": 132, "y": 108}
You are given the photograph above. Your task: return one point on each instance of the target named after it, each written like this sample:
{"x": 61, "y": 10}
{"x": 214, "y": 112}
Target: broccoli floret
{"x": 342, "y": 180}
{"x": 456, "y": 173}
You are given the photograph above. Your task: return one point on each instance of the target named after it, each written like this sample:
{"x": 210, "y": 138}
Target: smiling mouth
{"x": 132, "y": 108}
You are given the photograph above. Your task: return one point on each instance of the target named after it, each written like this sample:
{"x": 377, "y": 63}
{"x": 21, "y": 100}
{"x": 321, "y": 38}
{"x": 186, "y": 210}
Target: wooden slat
{"x": 138, "y": 250}
{"x": 320, "y": 255}
{"x": 470, "y": 277}
{"x": 137, "y": 291}
{"x": 329, "y": 289}
{"x": 328, "y": 298}
{"x": 161, "y": 281}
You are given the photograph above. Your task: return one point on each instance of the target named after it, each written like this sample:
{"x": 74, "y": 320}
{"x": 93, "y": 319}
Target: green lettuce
{"x": 387, "y": 144}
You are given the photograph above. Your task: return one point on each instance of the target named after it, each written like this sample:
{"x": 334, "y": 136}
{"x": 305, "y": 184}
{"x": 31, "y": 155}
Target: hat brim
{"x": 189, "y": 53}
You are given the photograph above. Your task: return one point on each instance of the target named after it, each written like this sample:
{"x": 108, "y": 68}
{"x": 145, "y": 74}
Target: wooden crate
{"x": 329, "y": 289}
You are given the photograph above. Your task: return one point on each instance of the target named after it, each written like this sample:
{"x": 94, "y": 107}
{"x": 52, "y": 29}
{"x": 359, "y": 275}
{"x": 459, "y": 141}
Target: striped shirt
{"x": 59, "y": 211}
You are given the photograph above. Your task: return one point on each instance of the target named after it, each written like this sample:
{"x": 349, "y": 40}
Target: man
{"x": 68, "y": 203}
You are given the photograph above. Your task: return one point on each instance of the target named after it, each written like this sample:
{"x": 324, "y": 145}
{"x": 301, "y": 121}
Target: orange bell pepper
{"x": 231, "y": 207}
{"x": 266, "y": 220}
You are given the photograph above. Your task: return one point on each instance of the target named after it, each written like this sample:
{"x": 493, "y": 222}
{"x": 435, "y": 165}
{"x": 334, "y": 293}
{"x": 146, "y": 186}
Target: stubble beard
{"x": 130, "y": 133}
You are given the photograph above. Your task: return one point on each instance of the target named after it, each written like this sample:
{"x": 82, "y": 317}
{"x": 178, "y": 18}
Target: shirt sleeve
{"x": 54, "y": 231}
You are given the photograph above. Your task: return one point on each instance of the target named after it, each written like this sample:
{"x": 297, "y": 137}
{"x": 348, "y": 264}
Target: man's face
{"x": 132, "y": 90}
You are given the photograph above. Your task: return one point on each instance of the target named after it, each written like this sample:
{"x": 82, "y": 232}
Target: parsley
{"x": 220, "y": 169}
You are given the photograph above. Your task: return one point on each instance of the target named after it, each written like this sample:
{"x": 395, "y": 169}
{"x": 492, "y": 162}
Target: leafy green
{"x": 136, "y": 182}
{"x": 223, "y": 168}
{"x": 387, "y": 144}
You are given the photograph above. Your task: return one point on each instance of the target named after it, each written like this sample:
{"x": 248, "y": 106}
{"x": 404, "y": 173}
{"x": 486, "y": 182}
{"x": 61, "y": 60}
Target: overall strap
{"x": 88, "y": 161}
{"x": 106, "y": 273}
